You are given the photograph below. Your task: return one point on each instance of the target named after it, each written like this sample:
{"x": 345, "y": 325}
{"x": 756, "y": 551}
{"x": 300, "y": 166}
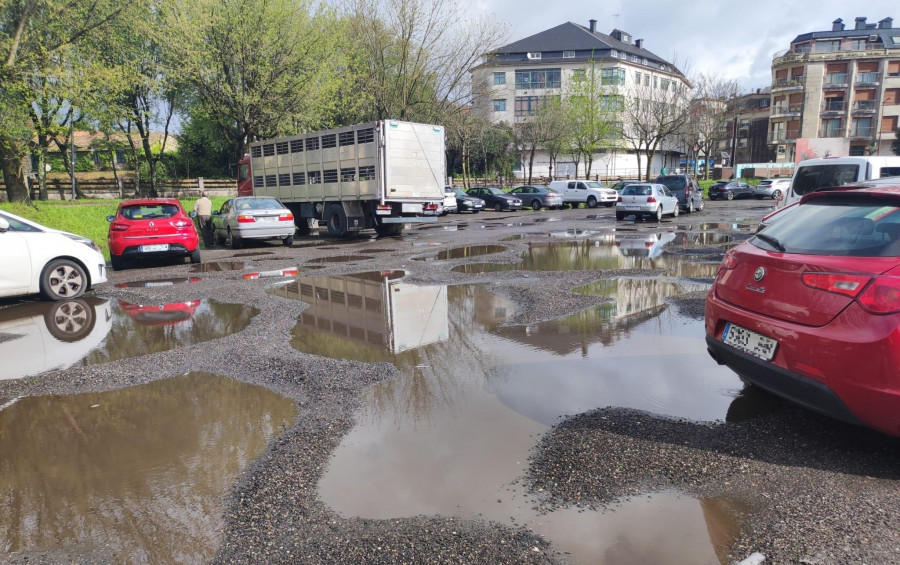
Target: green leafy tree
{"x": 35, "y": 35}
{"x": 202, "y": 150}
{"x": 594, "y": 113}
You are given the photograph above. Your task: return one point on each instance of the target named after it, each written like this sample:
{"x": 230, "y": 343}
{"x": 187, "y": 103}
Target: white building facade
{"x": 521, "y": 76}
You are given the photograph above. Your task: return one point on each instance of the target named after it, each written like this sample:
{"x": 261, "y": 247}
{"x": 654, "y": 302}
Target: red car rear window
{"x": 149, "y": 212}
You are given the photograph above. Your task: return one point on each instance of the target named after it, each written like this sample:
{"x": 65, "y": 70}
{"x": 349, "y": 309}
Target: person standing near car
{"x": 203, "y": 208}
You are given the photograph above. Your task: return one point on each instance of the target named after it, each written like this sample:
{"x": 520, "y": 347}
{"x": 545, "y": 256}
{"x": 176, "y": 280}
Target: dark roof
{"x": 885, "y": 34}
{"x": 574, "y": 37}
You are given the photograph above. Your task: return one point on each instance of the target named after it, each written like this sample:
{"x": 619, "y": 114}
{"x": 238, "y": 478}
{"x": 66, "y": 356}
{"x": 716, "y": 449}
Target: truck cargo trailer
{"x": 378, "y": 175}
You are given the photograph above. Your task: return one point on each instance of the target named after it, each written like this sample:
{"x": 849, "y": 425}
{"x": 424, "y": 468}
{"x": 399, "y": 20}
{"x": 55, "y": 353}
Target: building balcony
{"x": 784, "y": 136}
{"x": 836, "y": 80}
{"x": 786, "y": 110}
{"x": 864, "y": 107}
{"x": 793, "y": 83}
{"x": 867, "y": 79}
{"x": 833, "y": 107}
{"x": 862, "y": 132}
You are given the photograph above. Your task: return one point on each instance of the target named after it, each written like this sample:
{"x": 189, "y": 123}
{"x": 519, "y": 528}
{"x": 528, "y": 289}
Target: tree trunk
{"x": 530, "y": 164}
{"x": 12, "y": 156}
{"x": 637, "y": 154}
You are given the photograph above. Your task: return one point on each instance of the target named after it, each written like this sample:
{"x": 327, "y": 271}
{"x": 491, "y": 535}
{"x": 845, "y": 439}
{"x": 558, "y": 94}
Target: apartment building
{"x": 836, "y": 92}
{"x": 748, "y": 130}
{"x": 521, "y": 76}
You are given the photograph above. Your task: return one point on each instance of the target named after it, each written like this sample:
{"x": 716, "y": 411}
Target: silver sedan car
{"x": 252, "y": 217}
{"x": 538, "y": 197}
{"x": 646, "y": 200}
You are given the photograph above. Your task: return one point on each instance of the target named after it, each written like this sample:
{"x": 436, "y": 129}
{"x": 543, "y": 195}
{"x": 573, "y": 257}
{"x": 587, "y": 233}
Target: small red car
{"x": 151, "y": 227}
{"x": 809, "y": 308}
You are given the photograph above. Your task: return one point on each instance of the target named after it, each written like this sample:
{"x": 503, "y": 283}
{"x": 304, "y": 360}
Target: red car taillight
{"x": 619, "y": 199}
{"x": 431, "y": 207}
{"x": 729, "y": 261}
{"x": 838, "y": 283}
{"x": 882, "y": 296}
{"x": 115, "y": 226}
{"x": 245, "y": 219}
{"x": 182, "y": 224}
{"x": 651, "y": 200}
{"x": 286, "y": 217}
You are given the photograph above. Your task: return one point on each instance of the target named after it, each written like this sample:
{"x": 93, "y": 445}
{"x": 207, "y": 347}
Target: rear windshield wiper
{"x": 771, "y": 240}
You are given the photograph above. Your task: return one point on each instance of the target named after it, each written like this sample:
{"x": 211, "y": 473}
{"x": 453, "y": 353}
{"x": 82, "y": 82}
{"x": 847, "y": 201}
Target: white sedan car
{"x": 651, "y": 200}
{"x": 37, "y": 259}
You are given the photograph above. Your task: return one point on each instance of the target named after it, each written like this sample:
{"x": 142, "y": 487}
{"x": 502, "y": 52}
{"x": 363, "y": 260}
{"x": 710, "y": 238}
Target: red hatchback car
{"x": 151, "y": 227}
{"x": 809, "y": 308}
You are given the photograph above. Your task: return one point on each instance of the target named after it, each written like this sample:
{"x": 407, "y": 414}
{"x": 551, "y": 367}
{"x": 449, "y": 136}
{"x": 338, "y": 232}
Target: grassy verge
{"x": 83, "y": 217}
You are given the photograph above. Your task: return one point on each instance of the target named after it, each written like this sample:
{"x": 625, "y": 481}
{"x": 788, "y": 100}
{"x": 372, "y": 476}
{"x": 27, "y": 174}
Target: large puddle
{"x": 614, "y": 251}
{"x": 463, "y": 252}
{"x": 452, "y": 434}
{"x": 136, "y": 475}
{"x": 43, "y": 336}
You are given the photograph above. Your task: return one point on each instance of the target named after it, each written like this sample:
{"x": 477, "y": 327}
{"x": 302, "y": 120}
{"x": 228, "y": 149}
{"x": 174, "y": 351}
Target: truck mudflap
{"x": 407, "y": 219}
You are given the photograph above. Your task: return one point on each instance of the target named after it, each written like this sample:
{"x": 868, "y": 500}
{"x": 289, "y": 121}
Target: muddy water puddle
{"x": 574, "y": 232}
{"x": 254, "y": 254}
{"x": 463, "y": 252}
{"x": 451, "y": 435}
{"x": 217, "y": 267}
{"x": 340, "y": 259}
{"x": 151, "y": 283}
{"x": 137, "y": 474}
{"x": 92, "y": 330}
{"x": 613, "y": 251}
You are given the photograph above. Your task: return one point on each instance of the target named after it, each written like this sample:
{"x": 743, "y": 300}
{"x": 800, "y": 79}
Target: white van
{"x": 589, "y": 192}
{"x": 814, "y": 174}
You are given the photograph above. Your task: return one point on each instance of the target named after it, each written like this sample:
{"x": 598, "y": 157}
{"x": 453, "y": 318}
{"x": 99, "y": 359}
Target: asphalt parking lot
{"x": 527, "y": 387}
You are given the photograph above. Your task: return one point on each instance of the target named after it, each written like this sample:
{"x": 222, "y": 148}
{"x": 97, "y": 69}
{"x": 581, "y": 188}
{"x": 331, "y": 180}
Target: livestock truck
{"x": 378, "y": 175}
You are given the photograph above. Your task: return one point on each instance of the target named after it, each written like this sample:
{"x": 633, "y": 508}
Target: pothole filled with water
{"x": 158, "y": 282}
{"x": 91, "y": 330}
{"x": 574, "y": 232}
{"x": 451, "y": 435}
{"x": 217, "y": 266}
{"x": 463, "y": 252}
{"x": 340, "y": 259}
{"x": 140, "y": 473}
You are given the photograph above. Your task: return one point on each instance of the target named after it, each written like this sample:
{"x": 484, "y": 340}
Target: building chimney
{"x": 860, "y": 23}
{"x": 593, "y": 25}
{"x": 837, "y": 25}
{"x": 639, "y": 43}
{"x": 757, "y": 90}
{"x": 886, "y": 23}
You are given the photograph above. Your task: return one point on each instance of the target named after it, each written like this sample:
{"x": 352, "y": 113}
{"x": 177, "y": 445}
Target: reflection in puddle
{"x": 254, "y": 254}
{"x": 291, "y": 272}
{"x": 699, "y": 238}
{"x": 340, "y": 259}
{"x": 714, "y": 227}
{"x": 463, "y": 252}
{"x": 574, "y": 232}
{"x": 87, "y": 331}
{"x": 217, "y": 266}
{"x": 541, "y": 220}
{"x": 516, "y": 237}
{"x": 453, "y": 432}
{"x": 139, "y": 473}
{"x": 158, "y": 282}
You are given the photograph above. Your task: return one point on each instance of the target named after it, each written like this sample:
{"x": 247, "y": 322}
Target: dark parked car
{"x": 618, "y": 186}
{"x": 729, "y": 190}
{"x": 495, "y": 198}
{"x": 538, "y": 197}
{"x": 685, "y": 189}
{"x": 808, "y": 309}
{"x": 464, "y": 202}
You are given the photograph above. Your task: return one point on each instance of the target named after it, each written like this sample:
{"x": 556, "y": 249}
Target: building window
{"x": 499, "y": 78}
{"x": 637, "y": 77}
{"x": 832, "y": 128}
{"x": 613, "y": 76}
{"x": 858, "y": 44}
{"x": 534, "y": 56}
{"x": 635, "y": 58}
{"x": 643, "y": 60}
{"x": 655, "y": 82}
{"x": 857, "y": 150}
{"x": 568, "y": 54}
{"x": 578, "y": 74}
{"x": 612, "y": 103}
{"x": 664, "y": 84}
{"x": 623, "y": 56}
{"x": 499, "y": 104}
{"x": 862, "y": 127}
{"x": 801, "y": 48}
{"x": 647, "y": 79}
{"x": 543, "y": 78}
{"x": 614, "y": 54}
{"x": 529, "y": 105}
{"x": 829, "y": 46}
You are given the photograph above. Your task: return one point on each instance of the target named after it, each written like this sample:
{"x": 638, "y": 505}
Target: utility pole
{"x": 72, "y": 160}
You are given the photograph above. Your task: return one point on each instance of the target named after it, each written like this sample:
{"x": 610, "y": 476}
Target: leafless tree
{"x": 708, "y": 118}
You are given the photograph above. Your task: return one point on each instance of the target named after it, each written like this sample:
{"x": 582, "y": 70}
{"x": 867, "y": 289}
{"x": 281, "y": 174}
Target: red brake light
{"x": 729, "y": 261}
{"x": 882, "y": 296}
{"x": 838, "y": 283}
{"x": 115, "y": 226}
{"x": 651, "y": 200}
{"x": 245, "y": 219}
{"x": 619, "y": 199}
{"x": 286, "y": 217}
{"x": 431, "y": 207}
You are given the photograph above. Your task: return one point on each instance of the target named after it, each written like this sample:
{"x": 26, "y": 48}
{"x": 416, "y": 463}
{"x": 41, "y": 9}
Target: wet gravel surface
{"x": 816, "y": 491}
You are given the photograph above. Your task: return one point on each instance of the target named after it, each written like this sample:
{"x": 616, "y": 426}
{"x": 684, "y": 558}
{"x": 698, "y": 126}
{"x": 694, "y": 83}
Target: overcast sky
{"x": 730, "y": 39}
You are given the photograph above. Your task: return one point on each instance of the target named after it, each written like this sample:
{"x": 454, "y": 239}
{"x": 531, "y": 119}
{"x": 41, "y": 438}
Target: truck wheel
{"x": 336, "y": 220}
{"x": 591, "y": 202}
{"x": 388, "y": 230}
